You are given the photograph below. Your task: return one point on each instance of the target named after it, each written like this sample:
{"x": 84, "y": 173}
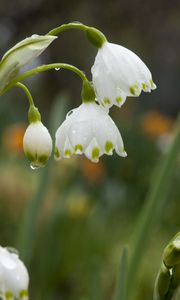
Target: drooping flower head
{"x": 14, "y": 278}
{"x": 90, "y": 130}
{"x": 117, "y": 73}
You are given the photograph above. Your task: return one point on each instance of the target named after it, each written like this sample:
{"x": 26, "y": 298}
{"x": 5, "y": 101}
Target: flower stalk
{"x": 41, "y": 69}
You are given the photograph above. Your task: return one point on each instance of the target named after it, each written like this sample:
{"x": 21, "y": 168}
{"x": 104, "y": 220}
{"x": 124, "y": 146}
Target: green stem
{"x": 152, "y": 211}
{"x": 95, "y": 36}
{"x": 64, "y": 27}
{"x": 27, "y": 92}
{"x": 42, "y": 69}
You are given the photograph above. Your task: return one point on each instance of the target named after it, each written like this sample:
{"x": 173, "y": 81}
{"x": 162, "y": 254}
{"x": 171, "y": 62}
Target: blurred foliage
{"x": 89, "y": 210}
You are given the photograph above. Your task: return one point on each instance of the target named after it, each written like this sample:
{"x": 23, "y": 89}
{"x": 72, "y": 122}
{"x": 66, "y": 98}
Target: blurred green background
{"x": 86, "y": 212}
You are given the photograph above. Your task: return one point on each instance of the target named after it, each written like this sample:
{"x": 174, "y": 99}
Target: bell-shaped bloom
{"x": 21, "y": 54}
{"x": 37, "y": 144}
{"x": 88, "y": 129}
{"x": 118, "y": 73}
{"x": 14, "y": 278}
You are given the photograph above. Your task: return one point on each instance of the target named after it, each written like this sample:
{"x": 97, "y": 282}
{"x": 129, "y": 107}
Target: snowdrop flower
{"x": 37, "y": 144}
{"x": 20, "y": 55}
{"x": 88, "y": 129}
{"x": 14, "y": 278}
{"x": 118, "y": 73}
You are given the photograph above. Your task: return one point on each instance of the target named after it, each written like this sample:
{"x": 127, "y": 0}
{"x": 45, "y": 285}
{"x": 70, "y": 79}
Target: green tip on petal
{"x": 108, "y": 146}
{"x": 78, "y": 148}
{"x": 67, "y": 153}
{"x": 145, "y": 87}
{"x": 8, "y": 295}
{"x": 119, "y": 100}
{"x": 134, "y": 89}
{"x": 56, "y": 153}
{"x": 95, "y": 153}
{"x": 153, "y": 86}
{"x": 106, "y": 101}
{"x": 23, "y": 294}
{"x": 37, "y": 161}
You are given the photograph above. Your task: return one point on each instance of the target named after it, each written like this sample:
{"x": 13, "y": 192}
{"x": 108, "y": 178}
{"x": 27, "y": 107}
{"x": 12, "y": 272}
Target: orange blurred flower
{"x": 155, "y": 124}
{"x": 91, "y": 171}
{"x": 13, "y": 138}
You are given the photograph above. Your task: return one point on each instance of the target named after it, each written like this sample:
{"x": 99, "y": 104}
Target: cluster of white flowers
{"x": 14, "y": 278}
{"x": 116, "y": 74}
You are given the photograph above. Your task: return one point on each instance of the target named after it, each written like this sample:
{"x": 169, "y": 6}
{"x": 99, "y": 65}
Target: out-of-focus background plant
{"x": 86, "y": 211}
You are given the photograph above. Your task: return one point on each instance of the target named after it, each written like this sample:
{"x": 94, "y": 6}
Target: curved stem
{"x": 64, "y": 27}
{"x": 42, "y": 69}
{"x": 27, "y": 92}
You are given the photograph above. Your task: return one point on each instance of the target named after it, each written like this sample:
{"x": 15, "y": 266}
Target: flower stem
{"x": 95, "y": 36}
{"x": 73, "y": 25}
{"x": 27, "y": 92}
{"x": 42, "y": 69}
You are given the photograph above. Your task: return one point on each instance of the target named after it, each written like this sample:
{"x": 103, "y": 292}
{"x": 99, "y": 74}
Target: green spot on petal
{"x": 106, "y": 101}
{"x": 145, "y": 87}
{"x": 108, "y": 146}
{"x": 23, "y": 294}
{"x": 78, "y": 148}
{"x": 8, "y": 295}
{"x": 56, "y": 153}
{"x": 134, "y": 89}
{"x": 95, "y": 153}
{"x": 153, "y": 86}
{"x": 30, "y": 156}
{"x": 43, "y": 159}
{"x": 67, "y": 152}
{"x": 119, "y": 100}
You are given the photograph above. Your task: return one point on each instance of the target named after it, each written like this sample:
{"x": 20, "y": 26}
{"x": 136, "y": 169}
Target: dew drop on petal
{"x": 34, "y": 166}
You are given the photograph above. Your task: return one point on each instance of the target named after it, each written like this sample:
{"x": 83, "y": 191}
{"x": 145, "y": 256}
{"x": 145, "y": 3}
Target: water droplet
{"x": 34, "y": 166}
{"x": 57, "y": 69}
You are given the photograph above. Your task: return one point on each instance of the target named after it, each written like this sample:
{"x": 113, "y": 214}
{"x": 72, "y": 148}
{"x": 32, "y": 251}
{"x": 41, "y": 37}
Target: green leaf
{"x": 120, "y": 291}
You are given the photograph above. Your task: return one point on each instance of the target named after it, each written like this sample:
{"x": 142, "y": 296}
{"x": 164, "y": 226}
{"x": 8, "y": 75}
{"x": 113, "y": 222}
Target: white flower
{"x": 21, "y": 54}
{"x": 118, "y": 73}
{"x": 37, "y": 144}
{"x": 88, "y": 129}
{"x": 14, "y": 278}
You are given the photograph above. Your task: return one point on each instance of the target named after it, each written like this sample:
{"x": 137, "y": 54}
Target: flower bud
{"x": 162, "y": 283}
{"x": 20, "y": 55}
{"x": 171, "y": 255}
{"x": 37, "y": 144}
